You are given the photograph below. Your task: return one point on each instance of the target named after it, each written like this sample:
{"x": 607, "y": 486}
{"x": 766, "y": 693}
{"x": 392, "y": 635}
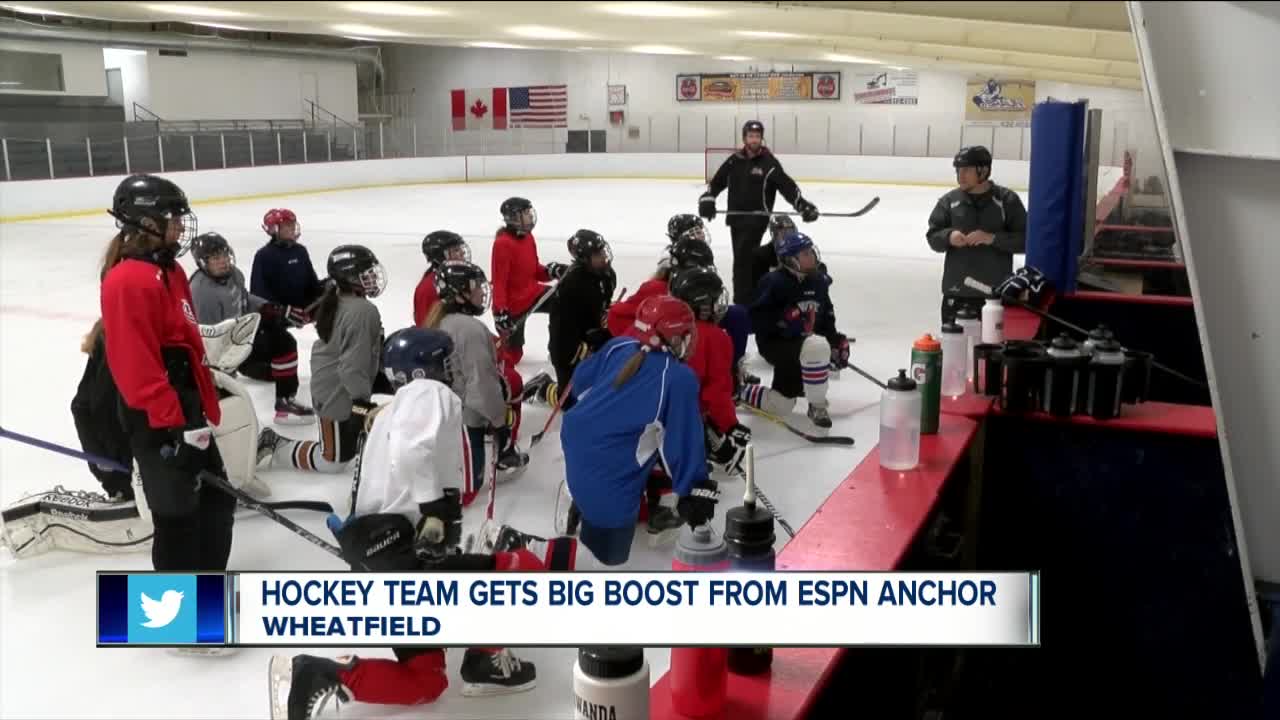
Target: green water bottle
{"x": 926, "y": 370}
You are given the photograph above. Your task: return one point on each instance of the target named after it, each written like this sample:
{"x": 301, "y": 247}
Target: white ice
{"x": 886, "y": 294}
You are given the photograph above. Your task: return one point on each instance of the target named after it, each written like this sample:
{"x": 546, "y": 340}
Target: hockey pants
{"x": 274, "y": 358}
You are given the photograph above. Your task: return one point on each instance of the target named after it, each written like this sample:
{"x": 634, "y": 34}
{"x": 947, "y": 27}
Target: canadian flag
{"x": 479, "y": 108}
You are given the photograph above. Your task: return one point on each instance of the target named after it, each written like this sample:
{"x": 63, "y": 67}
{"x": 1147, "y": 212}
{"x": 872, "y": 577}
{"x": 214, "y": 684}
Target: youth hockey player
{"x": 406, "y": 517}
{"x": 754, "y": 177}
{"x": 157, "y": 359}
{"x": 344, "y": 362}
{"x": 795, "y": 327}
{"x": 218, "y": 289}
{"x": 437, "y": 247}
{"x": 577, "y": 322}
{"x": 636, "y": 400}
{"x": 489, "y": 390}
{"x": 518, "y": 276}
{"x": 282, "y": 270}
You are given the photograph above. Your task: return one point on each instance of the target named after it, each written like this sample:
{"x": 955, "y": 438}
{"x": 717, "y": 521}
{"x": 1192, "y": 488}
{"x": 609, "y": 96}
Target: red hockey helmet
{"x": 663, "y": 322}
{"x": 276, "y": 217}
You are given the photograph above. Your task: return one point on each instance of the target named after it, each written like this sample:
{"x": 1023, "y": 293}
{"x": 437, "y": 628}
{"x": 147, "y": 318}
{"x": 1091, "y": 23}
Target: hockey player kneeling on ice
{"x": 490, "y": 395}
{"x": 795, "y": 327}
{"x": 344, "y": 363}
{"x": 636, "y": 400}
{"x": 219, "y": 293}
{"x": 407, "y": 517}
{"x": 578, "y": 319}
{"x": 437, "y": 247}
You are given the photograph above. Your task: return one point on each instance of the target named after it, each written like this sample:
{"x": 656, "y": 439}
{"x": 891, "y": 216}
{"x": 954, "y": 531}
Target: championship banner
{"x": 890, "y": 87}
{"x": 1003, "y": 103}
{"x": 565, "y": 609}
{"x": 757, "y": 87}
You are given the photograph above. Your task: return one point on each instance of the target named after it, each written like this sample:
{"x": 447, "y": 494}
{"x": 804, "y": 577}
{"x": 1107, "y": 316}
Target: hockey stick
{"x": 867, "y": 375}
{"x": 564, "y": 395}
{"x": 753, "y": 493}
{"x": 520, "y": 321}
{"x": 988, "y": 292}
{"x": 491, "y": 470}
{"x": 769, "y": 213}
{"x": 112, "y": 465}
{"x": 204, "y": 476}
{"x": 841, "y": 440}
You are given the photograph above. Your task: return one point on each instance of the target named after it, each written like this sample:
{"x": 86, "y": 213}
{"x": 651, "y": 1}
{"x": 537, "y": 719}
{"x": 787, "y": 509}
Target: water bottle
{"x": 955, "y": 360}
{"x": 993, "y": 322}
{"x": 611, "y": 682}
{"x": 1062, "y": 379}
{"x": 748, "y": 533}
{"x": 699, "y": 675}
{"x": 967, "y": 318}
{"x": 1097, "y": 335}
{"x": 900, "y": 424}
{"x": 1106, "y": 375}
{"x": 926, "y": 370}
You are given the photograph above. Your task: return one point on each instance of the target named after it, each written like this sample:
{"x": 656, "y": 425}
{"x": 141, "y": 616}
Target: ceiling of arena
{"x": 1080, "y": 42}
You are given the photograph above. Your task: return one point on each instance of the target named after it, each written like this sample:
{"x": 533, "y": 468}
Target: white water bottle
{"x": 993, "y": 322}
{"x": 611, "y": 682}
{"x": 900, "y": 424}
{"x": 956, "y": 357}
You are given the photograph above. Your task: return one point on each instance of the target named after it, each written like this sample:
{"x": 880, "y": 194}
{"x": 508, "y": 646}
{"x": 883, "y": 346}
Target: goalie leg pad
{"x": 237, "y": 436}
{"x": 230, "y": 342}
{"x": 815, "y": 366}
{"x": 77, "y": 521}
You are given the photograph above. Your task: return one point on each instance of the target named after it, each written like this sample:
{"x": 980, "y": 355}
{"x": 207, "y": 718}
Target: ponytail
{"x": 113, "y": 255}
{"x": 327, "y": 312}
{"x": 630, "y": 369}
{"x": 91, "y": 339}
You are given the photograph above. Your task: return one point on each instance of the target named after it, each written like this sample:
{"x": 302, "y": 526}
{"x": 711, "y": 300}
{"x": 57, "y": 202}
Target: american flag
{"x": 539, "y": 106}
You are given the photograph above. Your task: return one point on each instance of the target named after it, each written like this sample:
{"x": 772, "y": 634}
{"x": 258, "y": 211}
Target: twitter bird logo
{"x": 163, "y": 609}
{"x": 160, "y": 614}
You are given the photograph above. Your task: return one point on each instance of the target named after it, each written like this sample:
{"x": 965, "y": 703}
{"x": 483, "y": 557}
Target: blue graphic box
{"x": 161, "y": 609}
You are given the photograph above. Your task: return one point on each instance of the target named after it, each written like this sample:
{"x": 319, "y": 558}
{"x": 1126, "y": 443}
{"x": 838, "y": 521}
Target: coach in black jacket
{"x": 979, "y": 225}
{"x": 754, "y": 178}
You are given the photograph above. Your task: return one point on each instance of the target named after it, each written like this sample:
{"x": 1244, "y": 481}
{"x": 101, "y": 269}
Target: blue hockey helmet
{"x": 414, "y": 353}
{"x": 790, "y": 245}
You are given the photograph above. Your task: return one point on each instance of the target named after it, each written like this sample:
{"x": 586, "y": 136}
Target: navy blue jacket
{"x": 283, "y": 273}
{"x": 781, "y": 290}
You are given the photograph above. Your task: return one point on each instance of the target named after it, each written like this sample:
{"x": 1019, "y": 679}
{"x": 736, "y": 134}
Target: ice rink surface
{"x": 886, "y": 294}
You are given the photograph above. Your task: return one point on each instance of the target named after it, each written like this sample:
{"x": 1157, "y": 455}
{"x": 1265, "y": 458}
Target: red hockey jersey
{"x": 146, "y": 308}
{"x": 622, "y": 314}
{"x": 515, "y": 273}
{"x": 424, "y": 296}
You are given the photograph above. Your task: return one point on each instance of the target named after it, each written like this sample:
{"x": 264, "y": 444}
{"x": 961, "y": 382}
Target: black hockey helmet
{"x": 753, "y": 126}
{"x": 414, "y": 353}
{"x": 208, "y": 245}
{"x": 703, "y": 290}
{"x": 972, "y": 156}
{"x": 455, "y": 279}
{"x": 690, "y": 251}
{"x": 148, "y": 197}
{"x": 355, "y": 267}
{"x": 518, "y": 215}
{"x": 682, "y": 223}
{"x": 586, "y": 243}
{"x": 436, "y": 246}
{"x": 779, "y": 223}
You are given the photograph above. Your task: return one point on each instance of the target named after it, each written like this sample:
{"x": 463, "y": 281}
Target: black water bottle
{"x": 748, "y": 533}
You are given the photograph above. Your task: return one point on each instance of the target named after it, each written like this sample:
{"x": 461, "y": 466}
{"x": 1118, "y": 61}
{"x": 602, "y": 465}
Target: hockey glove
{"x": 1026, "y": 280}
{"x": 794, "y": 323}
{"x": 699, "y": 506}
{"x": 707, "y": 207}
{"x": 291, "y": 316}
{"x": 556, "y": 270}
{"x": 187, "y": 449}
{"x": 728, "y": 450}
{"x": 440, "y": 529}
{"x": 808, "y": 211}
{"x": 503, "y": 322}
{"x": 367, "y": 410}
{"x": 595, "y": 338}
{"x": 839, "y": 352}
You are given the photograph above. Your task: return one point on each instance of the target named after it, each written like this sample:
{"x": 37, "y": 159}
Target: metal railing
{"x": 145, "y": 115}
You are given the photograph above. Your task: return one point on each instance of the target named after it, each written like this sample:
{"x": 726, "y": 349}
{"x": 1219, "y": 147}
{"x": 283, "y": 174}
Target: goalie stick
{"x": 769, "y": 213}
{"x": 840, "y": 440}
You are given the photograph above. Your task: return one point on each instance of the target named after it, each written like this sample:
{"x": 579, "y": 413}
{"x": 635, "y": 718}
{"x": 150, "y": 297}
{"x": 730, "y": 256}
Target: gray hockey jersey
{"x": 344, "y": 368}
{"x": 476, "y": 378}
{"x": 218, "y": 300}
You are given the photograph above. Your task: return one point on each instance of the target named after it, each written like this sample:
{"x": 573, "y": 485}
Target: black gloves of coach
{"x": 503, "y": 322}
{"x": 808, "y": 211}
{"x": 699, "y": 506}
{"x": 707, "y": 207}
{"x": 556, "y": 270}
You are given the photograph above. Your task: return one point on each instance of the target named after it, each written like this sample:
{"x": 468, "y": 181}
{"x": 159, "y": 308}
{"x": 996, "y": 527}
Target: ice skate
{"x": 537, "y": 388}
{"x": 819, "y": 417}
{"x": 511, "y": 464}
{"x": 487, "y": 674}
{"x": 301, "y": 687}
{"x": 268, "y": 441}
{"x": 290, "y": 412}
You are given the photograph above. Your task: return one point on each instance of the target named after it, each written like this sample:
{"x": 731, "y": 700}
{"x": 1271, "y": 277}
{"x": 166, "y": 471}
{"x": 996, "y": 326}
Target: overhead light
{"x": 10, "y": 82}
{"x": 585, "y": 47}
{"x": 497, "y": 46}
{"x": 221, "y": 26}
{"x": 837, "y": 57}
{"x": 542, "y": 32}
{"x": 658, "y": 10}
{"x": 395, "y": 9}
{"x": 27, "y": 9}
{"x": 659, "y": 50}
{"x": 734, "y": 58}
{"x": 770, "y": 35}
{"x": 370, "y": 30}
{"x": 193, "y": 10}
{"x": 898, "y": 67}
{"x": 361, "y": 39}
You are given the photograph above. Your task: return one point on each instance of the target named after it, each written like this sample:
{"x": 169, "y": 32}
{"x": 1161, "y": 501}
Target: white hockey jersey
{"x": 413, "y": 452}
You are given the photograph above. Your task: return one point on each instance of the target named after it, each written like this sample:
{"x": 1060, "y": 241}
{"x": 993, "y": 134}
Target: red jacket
{"x": 712, "y": 359}
{"x": 622, "y": 314}
{"x": 424, "y": 297}
{"x": 515, "y": 273}
{"x": 146, "y": 308}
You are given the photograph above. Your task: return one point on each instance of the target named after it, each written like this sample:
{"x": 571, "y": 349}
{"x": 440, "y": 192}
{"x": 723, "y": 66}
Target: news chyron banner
{"x": 654, "y": 609}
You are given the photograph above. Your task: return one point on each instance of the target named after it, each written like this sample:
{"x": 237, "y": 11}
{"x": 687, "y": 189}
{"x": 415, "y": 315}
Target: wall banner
{"x": 996, "y": 102}
{"x": 757, "y": 87}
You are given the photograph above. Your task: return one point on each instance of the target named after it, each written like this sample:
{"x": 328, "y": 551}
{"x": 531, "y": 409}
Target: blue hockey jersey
{"x": 612, "y": 437}
{"x": 283, "y": 273}
{"x": 779, "y": 291}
